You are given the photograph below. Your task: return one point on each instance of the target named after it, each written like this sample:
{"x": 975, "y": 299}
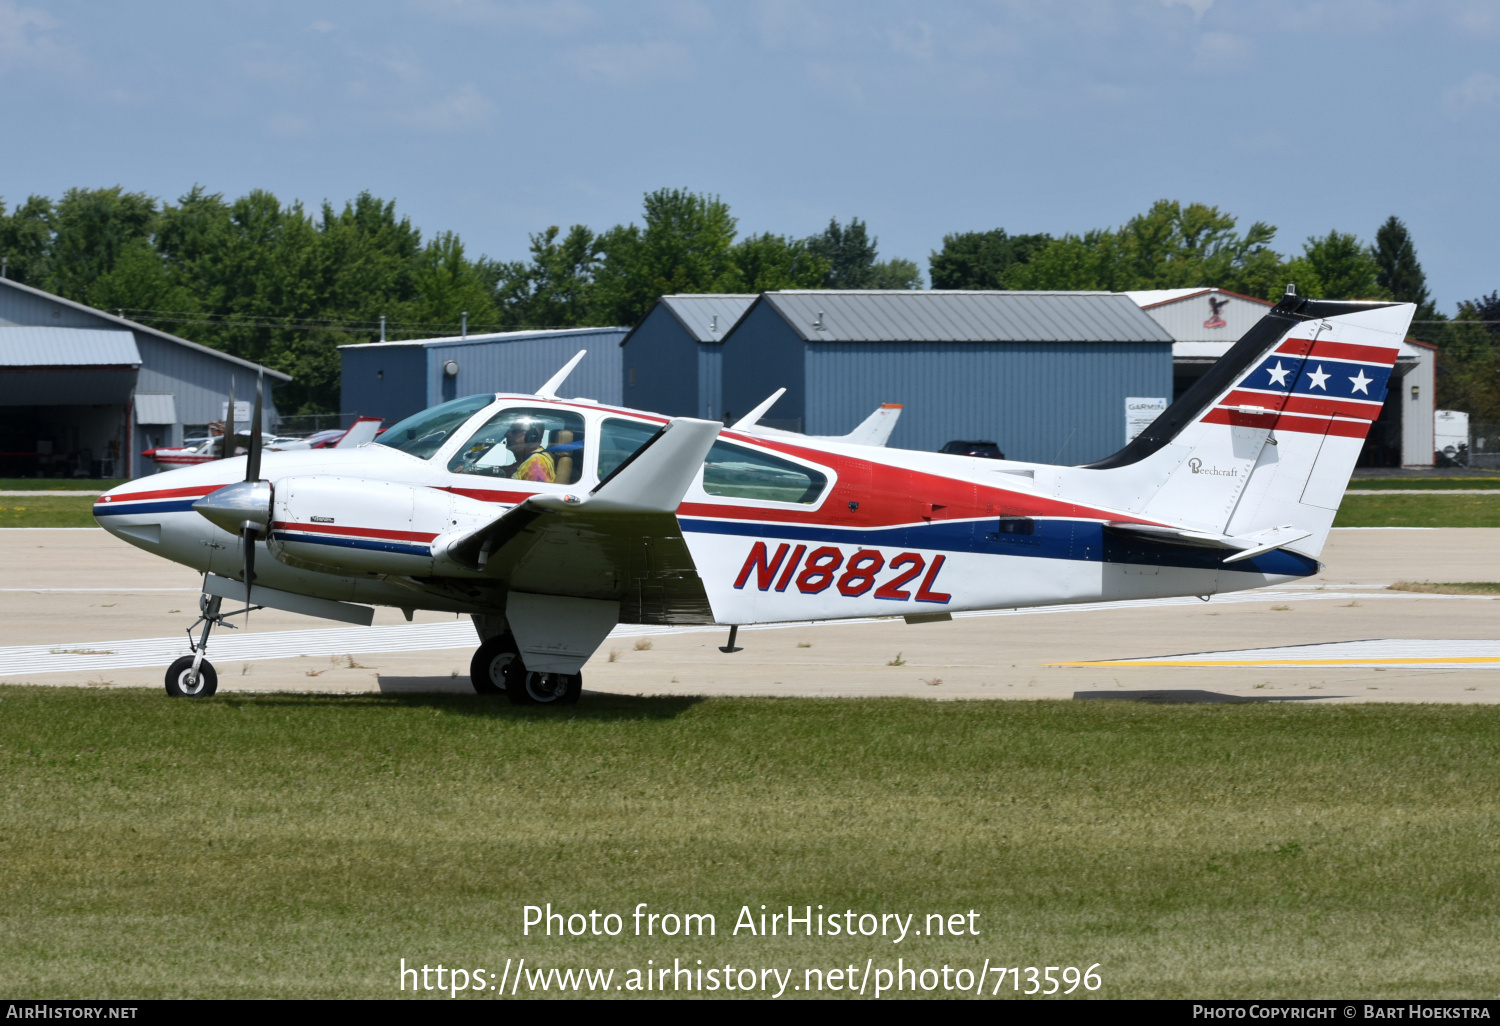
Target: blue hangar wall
{"x": 672, "y": 357}
{"x": 1053, "y": 400}
{"x": 393, "y": 380}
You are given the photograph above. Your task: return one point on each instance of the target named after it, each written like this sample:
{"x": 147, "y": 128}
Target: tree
{"x": 981, "y": 260}
{"x": 554, "y": 290}
{"x": 763, "y": 263}
{"x": 1345, "y": 268}
{"x": 685, "y": 246}
{"x": 1399, "y": 274}
{"x": 91, "y": 227}
{"x": 26, "y": 239}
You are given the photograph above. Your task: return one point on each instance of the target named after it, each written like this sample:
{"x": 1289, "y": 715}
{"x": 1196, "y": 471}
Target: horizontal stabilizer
{"x": 1243, "y": 547}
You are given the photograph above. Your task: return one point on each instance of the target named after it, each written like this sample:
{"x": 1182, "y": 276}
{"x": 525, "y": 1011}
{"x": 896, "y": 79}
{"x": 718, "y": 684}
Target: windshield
{"x": 423, "y": 434}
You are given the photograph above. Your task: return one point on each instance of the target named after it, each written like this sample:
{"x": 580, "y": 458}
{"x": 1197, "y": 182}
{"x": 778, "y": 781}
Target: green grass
{"x": 46, "y": 511}
{"x": 301, "y": 846}
{"x": 1424, "y": 483}
{"x": 1418, "y": 511}
{"x": 59, "y": 484}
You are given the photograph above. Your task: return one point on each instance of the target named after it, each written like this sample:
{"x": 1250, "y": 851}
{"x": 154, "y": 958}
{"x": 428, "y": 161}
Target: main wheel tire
{"x": 180, "y": 681}
{"x": 491, "y": 662}
{"x": 532, "y": 688}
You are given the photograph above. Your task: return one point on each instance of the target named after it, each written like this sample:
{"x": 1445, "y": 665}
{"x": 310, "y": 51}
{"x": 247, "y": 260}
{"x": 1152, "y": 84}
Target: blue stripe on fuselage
{"x": 123, "y": 508}
{"x": 1082, "y": 540}
{"x": 355, "y": 543}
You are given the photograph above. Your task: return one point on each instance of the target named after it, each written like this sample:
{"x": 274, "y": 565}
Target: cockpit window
{"x": 423, "y": 434}
{"x": 735, "y": 472}
{"x": 525, "y": 444}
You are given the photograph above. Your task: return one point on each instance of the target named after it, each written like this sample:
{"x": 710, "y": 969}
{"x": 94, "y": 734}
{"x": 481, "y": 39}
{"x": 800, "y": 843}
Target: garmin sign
{"x": 1139, "y": 413}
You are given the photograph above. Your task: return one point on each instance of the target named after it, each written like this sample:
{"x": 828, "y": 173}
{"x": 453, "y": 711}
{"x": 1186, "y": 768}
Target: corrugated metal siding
{"x": 34, "y": 346}
{"x": 708, "y": 318}
{"x": 525, "y": 363}
{"x": 1041, "y": 401}
{"x": 710, "y": 381}
{"x": 760, "y": 356}
{"x": 383, "y": 381}
{"x": 22, "y": 307}
{"x": 877, "y": 316}
{"x": 155, "y": 408}
{"x": 662, "y": 358}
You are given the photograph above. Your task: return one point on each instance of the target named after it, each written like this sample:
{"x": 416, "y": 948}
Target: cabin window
{"x": 734, "y": 472}
{"x": 525, "y": 444}
{"x": 423, "y": 434}
{"x": 618, "y": 441}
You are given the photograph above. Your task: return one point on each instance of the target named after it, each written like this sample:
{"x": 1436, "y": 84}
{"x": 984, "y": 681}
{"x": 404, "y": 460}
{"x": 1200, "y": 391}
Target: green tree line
{"x": 282, "y": 285}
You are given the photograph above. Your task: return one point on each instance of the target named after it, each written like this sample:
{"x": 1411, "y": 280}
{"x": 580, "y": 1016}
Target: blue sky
{"x": 495, "y": 119}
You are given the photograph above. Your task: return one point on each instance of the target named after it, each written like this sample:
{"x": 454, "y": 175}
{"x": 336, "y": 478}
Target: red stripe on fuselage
{"x": 353, "y": 532}
{"x": 165, "y": 493}
{"x": 488, "y": 494}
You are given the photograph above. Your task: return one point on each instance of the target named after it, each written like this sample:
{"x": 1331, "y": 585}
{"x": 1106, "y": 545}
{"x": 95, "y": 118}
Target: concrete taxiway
{"x": 82, "y": 608}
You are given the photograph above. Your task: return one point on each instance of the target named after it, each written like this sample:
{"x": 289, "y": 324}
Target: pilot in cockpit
{"x": 524, "y": 440}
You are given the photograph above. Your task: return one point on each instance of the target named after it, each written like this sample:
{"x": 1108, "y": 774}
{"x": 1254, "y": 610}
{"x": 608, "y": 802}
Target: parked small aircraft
{"x": 361, "y": 431}
{"x": 549, "y": 520}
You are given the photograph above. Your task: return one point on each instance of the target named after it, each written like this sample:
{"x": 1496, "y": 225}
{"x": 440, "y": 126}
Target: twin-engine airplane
{"x": 549, "y": 521}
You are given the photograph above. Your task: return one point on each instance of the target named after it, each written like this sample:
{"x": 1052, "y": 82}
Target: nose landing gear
{"x": 193, "y": 676}
{"x": 497, "y": 667}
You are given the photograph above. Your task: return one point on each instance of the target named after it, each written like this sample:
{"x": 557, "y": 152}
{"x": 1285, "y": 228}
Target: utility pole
{"x": 464, "y": 324}
{"x": 4, "y": 267}
{"x": 382, "y": 327}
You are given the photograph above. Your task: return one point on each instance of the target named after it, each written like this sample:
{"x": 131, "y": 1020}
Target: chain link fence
{"x": 302, "y": 424}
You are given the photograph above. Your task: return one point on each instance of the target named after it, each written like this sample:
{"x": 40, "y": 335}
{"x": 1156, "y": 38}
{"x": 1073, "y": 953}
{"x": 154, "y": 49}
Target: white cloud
{"x": 628, "y": 63}
{"x": 1481, "y": 89}
{"x": 322, "y": 26}
{"x": 460, "y": 110}
{"x": 550, "y": 17}
{"x": 1199, "y": 7}
{"x": 913, "y": 39}
{"x": 1221, "y": 51}
{"x": 287, "y": 125}
{"x": 25, "y": 39}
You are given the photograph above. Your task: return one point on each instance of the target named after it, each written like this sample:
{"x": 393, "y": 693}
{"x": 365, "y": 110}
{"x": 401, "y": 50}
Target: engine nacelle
{"x": 351, "y": 525}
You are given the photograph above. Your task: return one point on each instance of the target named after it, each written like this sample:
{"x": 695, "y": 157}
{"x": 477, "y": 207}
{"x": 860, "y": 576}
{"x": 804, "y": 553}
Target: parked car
{"x": 989, "y": 450}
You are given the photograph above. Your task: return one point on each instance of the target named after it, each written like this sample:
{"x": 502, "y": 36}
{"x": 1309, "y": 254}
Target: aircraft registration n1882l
{"x": 550, "y": 520}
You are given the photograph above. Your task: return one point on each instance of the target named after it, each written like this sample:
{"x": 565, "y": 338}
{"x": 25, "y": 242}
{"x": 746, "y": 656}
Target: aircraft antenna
{"x": 549, "y": 390}
{"x": 749, "y": 419}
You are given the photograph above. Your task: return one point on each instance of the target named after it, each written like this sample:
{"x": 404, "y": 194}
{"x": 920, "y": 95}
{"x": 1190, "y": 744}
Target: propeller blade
{"x": 226, "y": 447}
{"x": 247, "y": 544}
{"x": 252, "y": 465}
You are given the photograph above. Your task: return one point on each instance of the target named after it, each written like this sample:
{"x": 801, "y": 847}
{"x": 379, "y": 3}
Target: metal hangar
{"x": 393, "y": 380}
{"x": 83, "y": 393}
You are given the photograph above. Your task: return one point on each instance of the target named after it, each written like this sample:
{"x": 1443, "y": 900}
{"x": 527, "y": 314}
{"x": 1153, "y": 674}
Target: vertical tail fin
{"x": 1267, "y": 439}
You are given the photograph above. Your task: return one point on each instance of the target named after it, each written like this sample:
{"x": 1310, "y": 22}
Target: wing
{"x": 621, "y": 542}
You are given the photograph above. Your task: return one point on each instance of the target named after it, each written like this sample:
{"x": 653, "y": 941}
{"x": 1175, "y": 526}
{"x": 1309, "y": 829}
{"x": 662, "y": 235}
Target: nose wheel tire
{"x": 181, "y": 683}
{"x": 497, "y": 668}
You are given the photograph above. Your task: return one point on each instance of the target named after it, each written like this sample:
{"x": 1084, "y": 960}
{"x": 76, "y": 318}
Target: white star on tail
{"x": 1362, "y": 383}
{"x": 1319, "y": 378}
{"x": 1278, "y": 374}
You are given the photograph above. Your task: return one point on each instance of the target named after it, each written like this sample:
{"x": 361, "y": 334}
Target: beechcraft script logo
{"x": 853, "y": 576}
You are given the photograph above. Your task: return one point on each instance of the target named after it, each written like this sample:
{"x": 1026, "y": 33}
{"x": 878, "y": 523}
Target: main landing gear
{"x": 193, "y": 676}
{"x": 497, "y": 667}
